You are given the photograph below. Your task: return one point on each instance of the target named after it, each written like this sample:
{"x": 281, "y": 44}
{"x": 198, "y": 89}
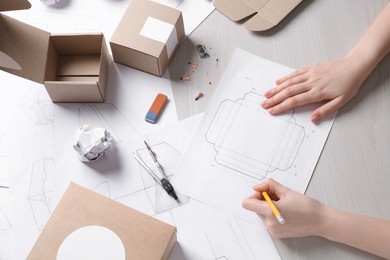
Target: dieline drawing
{"x": 39, "y": 194}
{"x": 274, "y": 144}
{"x": 168, "y": 157}
{"x": 109, "y": 117}
{"x": 37, "y": 105}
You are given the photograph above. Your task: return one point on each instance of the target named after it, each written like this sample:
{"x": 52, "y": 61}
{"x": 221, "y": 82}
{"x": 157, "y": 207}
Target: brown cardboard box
{"x": 147, "y": 36}
{"x": 143, "y": 237}
{"x": 267, "y": 13}
{"x": 73, "y": 67}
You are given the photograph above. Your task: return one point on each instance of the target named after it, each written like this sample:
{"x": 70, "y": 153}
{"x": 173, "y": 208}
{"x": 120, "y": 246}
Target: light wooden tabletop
{"x": 353, "y": 172}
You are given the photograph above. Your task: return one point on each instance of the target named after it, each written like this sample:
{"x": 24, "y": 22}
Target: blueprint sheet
{"x": 239, "y": 144}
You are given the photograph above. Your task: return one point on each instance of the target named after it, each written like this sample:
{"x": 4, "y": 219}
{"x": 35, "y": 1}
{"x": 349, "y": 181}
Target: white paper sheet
{"x": 6, "y": 231}
{"x": 203, "y": 232}
{"x": 194, "y": 11}
{"x": 239, "y": 144}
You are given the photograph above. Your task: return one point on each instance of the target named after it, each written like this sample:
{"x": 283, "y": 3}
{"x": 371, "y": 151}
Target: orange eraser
{"x": 156, "y": 108}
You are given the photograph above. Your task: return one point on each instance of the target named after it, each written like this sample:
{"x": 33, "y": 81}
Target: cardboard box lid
{"x": 143, "y": 237}
{"x": 9, "y": 5}
{"x": 267, "y": 13}
{"x": 23, "y": 49}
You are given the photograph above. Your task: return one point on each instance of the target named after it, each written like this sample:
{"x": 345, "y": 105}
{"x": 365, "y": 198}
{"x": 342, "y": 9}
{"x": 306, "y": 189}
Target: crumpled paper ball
{"x": 91, "y": 143}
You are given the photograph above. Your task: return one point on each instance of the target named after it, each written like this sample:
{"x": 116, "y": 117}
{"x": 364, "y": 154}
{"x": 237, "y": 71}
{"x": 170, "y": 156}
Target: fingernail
{"x": 266, "y": 93}
{"x": 271, "y": 110}
{"x": 264, "y": 104}
{"x": 314, "y": 118}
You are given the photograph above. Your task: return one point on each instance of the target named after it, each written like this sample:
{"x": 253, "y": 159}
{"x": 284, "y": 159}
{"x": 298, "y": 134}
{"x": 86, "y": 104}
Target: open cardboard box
{"x": 147, "y": 36}
{"x": 265, "y": 13}
{"x": 142, "y": 236}
{"x": 72, "y": 67}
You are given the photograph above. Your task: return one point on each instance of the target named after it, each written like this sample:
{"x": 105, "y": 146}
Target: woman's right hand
{"x": 303, "y": 215}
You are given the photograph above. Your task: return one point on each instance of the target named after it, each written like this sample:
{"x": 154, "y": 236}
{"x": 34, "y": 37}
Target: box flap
{"x": 237, "y": 10}
{"x": 268, "y": 13}
{"x": 26, "y": 45}
{"x": 9, "y": 5}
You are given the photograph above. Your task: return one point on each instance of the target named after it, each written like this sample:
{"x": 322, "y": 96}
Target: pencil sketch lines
{"x": 37, "y": 106}
{"x": 5, "y": 224}
{"x": 103, "y": 188}
{"x": 39, "y": 195}
{"x": 109, "y": 117}
{"x": 235, "y": 244}
{"x": 273, "y": 143}
{"x": 168, "y": 157}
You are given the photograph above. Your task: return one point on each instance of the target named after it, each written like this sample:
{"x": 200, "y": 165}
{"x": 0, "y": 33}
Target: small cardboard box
{"x": 73, "y": 67}
{"x": 142, "y": 236}
{"x": 266, "y": 13}
{"x": 147, "y": 36}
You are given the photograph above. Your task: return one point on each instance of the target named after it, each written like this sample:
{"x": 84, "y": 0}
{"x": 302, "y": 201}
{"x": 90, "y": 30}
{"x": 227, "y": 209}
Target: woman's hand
{"x": 303, "y": 215}
{"x": 335, "y": 82}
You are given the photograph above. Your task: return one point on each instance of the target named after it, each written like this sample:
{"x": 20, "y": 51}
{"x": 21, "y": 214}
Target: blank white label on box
{"x": 160, "y": 31}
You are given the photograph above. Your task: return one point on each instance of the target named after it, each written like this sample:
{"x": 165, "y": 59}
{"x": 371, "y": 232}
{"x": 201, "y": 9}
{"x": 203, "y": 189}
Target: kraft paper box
{"x": 147, "y": 36}
{"x": 72, "y": 67}
{"x": 143, "y": 237}
{"x": 266, "y": 13}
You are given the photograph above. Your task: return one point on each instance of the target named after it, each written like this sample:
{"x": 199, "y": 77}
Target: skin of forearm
{"x": 374, "y": 44}
{"x": 363, "y": 232}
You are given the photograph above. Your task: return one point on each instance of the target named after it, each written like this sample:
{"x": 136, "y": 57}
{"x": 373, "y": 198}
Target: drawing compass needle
{"x": 153, "y": 155}
{"x": 146, "y": 167}
{"x": 163, "y": 181}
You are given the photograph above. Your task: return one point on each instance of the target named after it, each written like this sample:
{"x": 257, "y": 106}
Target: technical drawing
{"x": 103, "y": 188}
{"x": 169, "y": 157}
{"x": 5, "y": 224}
{"x": 157, "y": 197}
{"x": 37, "y": 105}
{"x": 234, "y": 239}
{"x": 275, "y": 143}
{"x": 39, "y": 195}
{"x": 107, "y": 116}
{"x": 215, "y": 235}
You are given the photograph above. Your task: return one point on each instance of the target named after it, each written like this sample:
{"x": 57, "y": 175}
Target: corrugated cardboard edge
{"x": 81, "y": 207}
{"x": 103, "y": 74}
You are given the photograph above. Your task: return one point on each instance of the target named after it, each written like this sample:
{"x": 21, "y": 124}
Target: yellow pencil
{"x": 273, "y": 208}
